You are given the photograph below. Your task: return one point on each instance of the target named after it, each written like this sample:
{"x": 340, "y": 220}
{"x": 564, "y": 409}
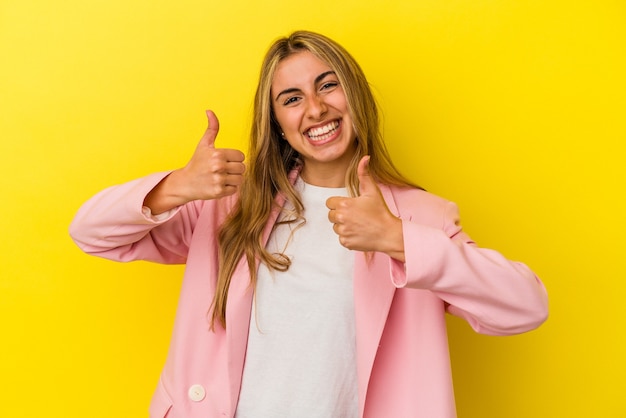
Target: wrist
{"x": 395, "y": 241}
{"x": 166, "y": 194}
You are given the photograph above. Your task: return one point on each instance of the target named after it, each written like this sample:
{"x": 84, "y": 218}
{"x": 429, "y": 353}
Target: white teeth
{"x": 324, "y": 132}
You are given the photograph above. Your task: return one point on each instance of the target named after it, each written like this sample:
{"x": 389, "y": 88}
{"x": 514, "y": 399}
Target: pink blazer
{"x": 402, "y": 350}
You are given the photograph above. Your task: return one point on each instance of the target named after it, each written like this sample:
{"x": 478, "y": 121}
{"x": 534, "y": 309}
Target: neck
{"x": 323, "y": 177}
{"x": 327, "y": 173}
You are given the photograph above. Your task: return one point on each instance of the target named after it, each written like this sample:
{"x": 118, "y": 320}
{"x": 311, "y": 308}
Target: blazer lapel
{"x": 373, "y": 295}
{"x": 238, "y": 310}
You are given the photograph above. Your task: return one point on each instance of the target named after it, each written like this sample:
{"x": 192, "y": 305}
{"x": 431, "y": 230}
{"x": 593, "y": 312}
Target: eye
{"x": 329, "y": 85}
{"x": 291, "y": 100}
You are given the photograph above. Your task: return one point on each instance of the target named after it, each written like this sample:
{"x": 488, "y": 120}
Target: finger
{"x": 235, "y": 168}
{"x": 233, "y": 155}
{"x": 366, "y": 184}
{"x": 331, "y": 217}
{"x": 333, "y": 202}
{"x": 211, "y": 132}
{"x": 233, "y": 180}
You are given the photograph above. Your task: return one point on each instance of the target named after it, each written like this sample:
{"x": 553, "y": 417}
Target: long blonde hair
{"x": 271, "y": 159}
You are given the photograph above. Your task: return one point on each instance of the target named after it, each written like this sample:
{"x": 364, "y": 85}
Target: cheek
{"x": 287, "y": 120}
{"x": 338, "y": 100}
{"x": 278, "y": 115}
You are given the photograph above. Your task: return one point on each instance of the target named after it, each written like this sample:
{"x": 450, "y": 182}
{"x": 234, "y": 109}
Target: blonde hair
{"x": 271, "y": 159}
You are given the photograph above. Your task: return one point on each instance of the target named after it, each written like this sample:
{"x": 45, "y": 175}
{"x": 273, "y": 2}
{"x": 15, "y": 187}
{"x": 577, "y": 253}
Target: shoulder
{"x": 419, "y": 205}
{"x": 408, "y": 195}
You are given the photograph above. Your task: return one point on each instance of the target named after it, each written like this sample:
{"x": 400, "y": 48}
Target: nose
{"x": 317, "y": 108}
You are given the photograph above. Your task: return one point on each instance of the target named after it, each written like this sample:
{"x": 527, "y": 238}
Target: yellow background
{"x": 513, "y": 109}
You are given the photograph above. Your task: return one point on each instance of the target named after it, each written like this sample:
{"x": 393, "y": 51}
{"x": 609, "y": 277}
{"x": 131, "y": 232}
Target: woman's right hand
{"x": 211, "y": 173}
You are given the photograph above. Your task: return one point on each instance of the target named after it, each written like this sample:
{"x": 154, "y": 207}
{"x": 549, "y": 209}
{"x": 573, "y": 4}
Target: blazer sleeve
{"x": 114, "y": 224}
{"x": 494, "y": 295}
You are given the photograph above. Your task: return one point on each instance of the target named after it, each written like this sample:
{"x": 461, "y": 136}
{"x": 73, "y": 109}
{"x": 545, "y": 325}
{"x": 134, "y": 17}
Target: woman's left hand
{"x": 365, "y": 223}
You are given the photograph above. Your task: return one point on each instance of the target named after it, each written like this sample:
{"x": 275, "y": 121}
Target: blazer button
{"x": 196, "y": 393}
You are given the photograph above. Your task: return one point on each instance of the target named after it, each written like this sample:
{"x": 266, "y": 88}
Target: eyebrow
{"x": 295, "y": 90}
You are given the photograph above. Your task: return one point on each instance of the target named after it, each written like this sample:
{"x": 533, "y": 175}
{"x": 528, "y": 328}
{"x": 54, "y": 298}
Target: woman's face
{"x": 311, "y": 108}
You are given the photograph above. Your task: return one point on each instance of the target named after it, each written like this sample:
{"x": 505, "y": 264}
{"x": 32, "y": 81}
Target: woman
{"x": 317, "y": 278}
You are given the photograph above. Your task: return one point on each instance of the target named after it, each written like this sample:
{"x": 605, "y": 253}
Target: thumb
{"x": 366, "y": 183}
{"x": 211, "y": 131}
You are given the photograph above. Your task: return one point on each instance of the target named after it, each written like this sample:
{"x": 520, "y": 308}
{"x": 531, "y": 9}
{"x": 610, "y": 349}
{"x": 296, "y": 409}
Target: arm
{"x": 114, "y": 224}
{"x": 495, "y": 295}
{"x": 153, "y": 218}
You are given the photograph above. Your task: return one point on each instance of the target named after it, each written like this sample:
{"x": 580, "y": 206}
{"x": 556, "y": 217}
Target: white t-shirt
{"x": 300, "y": 360}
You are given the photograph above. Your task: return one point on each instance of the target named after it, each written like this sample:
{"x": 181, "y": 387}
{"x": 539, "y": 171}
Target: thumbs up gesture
{"x": 211, "y": 173}
{"x": 365, "y": 223}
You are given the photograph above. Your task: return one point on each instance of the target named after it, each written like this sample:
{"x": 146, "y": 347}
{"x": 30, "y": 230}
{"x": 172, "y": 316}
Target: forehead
{"x": 298, "y": 69}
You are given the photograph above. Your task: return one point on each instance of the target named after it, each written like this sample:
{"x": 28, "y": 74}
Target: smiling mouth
{"x": 323, "y": 132}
